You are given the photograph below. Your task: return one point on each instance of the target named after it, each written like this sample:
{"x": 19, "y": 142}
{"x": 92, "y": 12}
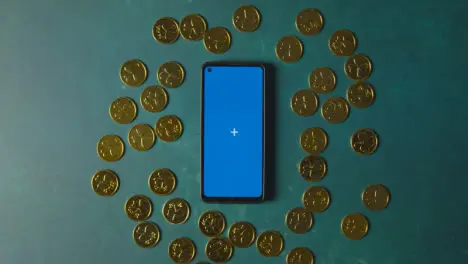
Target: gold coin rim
{"x": 188, "y": 210}
{"x": 142, "y": 197}
{"x": 152, "y": 132}
{"x": 158, "y": 87}
{"x": 363, "y": 217}
{"x": 120, "y": 141}
{"x": 324, "y": 162}
{"x": 216, "y": 51}
{"x": 264, "y": 233}
{"x": 325, "y": 136}
{"x": 252, "y": 228}
{"x": 356, "y": 105}
{"x": 384, "y": 188}
{"x": 310, "y": 10}
{"x": 225, "y": 240}
{"x": 145, "y": 70}
{"x": 334, "y": 121}
{"x": 377, "y": 141}
{"x": 214, "y": 212}
{"x": 298, "y": 248}
{"x": 205, "y": 26}
{"x": 149, "y": 223}
{"x": 316, "y": 211}
{"x": 354, "y": 42}
{"x": 181, "y": 69}
{"x": 303, "y": 210}
{"x": 172, "y": 175}
{"x": 128, "y": 99}
{"x": 316, "y": 99}
{"x": 169, "y": 116}
{"x": 186, "y": 239}
{"x": 332, "y": 73}
{"x": 246, "y": 7}
{"x": 172, "y": 20}
{"x": 113, "y": 174}
{"x": 300, "y": 44}
{"x": 367, "y": 59}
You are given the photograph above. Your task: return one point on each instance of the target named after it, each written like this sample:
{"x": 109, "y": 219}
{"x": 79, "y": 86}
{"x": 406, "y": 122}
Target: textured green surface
{"x": 59, "y": 64}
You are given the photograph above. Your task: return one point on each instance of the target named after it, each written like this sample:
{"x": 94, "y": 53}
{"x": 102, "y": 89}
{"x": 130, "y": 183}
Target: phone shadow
{"x": 270, "y": 133}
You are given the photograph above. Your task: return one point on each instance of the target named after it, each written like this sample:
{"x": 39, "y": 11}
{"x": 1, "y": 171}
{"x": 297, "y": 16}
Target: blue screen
{"x": 233, "y": 131}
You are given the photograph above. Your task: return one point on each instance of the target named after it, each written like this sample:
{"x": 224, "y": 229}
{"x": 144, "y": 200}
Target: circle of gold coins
{"x": 316, "y": 199}
{"x": 299, "y": 220}
{"x": 171, "y": 74}
{"x": 217, "y": 40}
{"x": 219, "y": 249}
{"x": 110, "y": 148}
{"x": 309, "y": 21}
{"x": 154, "y": 98}
{"x": 314, "y": 140}
{"x": 364, "y": 141}
{"x": 105, "y": 182}
{"x": 322, "y": 80}
{"x": 166, "y": 30}
{"x": 304, "y": 103}
{"x": 270, "y": 243}
{"x": 376, "y": 197}
{"x": 335, "y": 110}
{"x": 358, "y": 67}
{"x": 162, "y": 181}
{"x": 193, "y": 27}
{"x": 138, "y": 208}
{"x": 182, "y": 250}
{"x": 342, "y": 43}
{"x": 242, "y": 234}
{"x": 246, "y": 18}
{"x": 289, "y": 49}
{"x": 360, "y": 94}
{"x": 133, "y": 73}
{"x": 354, "y": 226}
{"x": 169, "y": 128}
{"x": 212, "y": 223}
{"x": 176, "y": 211}
{"x": 313, "y": 168}
{"x": 300, "y": 255}
{"x": 141, "y": 137}
{"x": 146, "y": 234}
{"x": 123, "y": 110}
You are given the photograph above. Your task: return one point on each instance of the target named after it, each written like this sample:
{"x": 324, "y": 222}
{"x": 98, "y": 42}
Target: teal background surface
{"x": 59, "y": 62}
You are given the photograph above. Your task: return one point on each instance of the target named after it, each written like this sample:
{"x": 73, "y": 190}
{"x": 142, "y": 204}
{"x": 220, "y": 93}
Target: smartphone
{"x": 233, "y": 132}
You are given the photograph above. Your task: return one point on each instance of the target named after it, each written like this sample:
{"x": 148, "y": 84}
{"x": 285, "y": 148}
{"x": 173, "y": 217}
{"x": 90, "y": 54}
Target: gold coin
{"x": 105, "y": 183}
{"x": 176, "y": 211}
{"x": 335, "y": 110}
{"x": 270, "y": 243}
{"x": 309, "y": 21}
{"x": 314, "y": 140}
{"x": 212, "y": 223}
{"x": 322, "y": 80}
{"x": 182, "y": 250}
{"x": 217, "y": 40}
{"x": 242, "y": 234}
{"x": 169, "y": 128}
{"x": 342, "y": 43}
{"x": 358, "y": 67}
{"x": 360, "y": 94}
{"x": 354, "y": 226}
{"x": 162, "y": 181}
{"x": 219, "y": 249}
{"x": 313, "y": 168}
{"x": 110, "y": 148}
{"x": 300, "y": 255}
{"x": 123, "y": 110}
{"x": 133, "y": 73}
{"x": 299, "y": 220}
{"x": 146, "y": 234}
{"x": 193, "y": 27}
{"x": 376, "y": 197}
{"x": 316, "y": 199}
{"x": 166, "y": 30}
{"x": 154, "y": 98}
{"x": 171, "y": 74}
{"x": 246, "y": 18}
{"x": 289, "y": 49}
{"x": 141, "y": 137}
{"x": 364, "y": 141}
{"x": 304, "y": 103}
{"x": 138, "y": 208}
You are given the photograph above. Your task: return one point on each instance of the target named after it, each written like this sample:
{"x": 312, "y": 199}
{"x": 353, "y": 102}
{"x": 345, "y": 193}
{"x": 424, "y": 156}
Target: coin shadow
{"x": 270, "y": 132}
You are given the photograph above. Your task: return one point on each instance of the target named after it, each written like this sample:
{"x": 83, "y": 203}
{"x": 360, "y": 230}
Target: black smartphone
{"x": 233, "y": 132}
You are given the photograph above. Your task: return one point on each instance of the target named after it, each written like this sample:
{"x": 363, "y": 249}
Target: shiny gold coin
{"x": 300, "y": 255}
{"x": 133, "y": 73}
{"x": 193, "y": 27}
{"x": 171, "y": 74}
{"x": 322, "y": 80}
{"x": 105, "y": 183}
{"x": 309, "y": 21}
{"x": 335, "y": 110}
{"x": 316, "y": 199}
{"x": 354, "y": 226}
{"x": 212, "y": 223}
{"x": 141, "y": 137}
{"x": 146, "y": 234}
{"x": 176, "y": 211}
{"x": 154, "y": 98}
{"x": 314, "y": 140}
{"x": 358, "y": 67}
{"x": 304, "y": 102}
{"x": 166, "y": 30}
{"x": 246, "y": 18}
{"x": 217, "y": 40}
{"x": 364, "y": 141}
{"x": 138, "y": 208}
{"x": 360, "y": 94}
{"x": 299, "y": 220}
{"x": 242, "y": 234}
{"x": 342, "y": 43}
{"x": 313, "y": 168}
{"x": 123, "y": 110}
{"x": 289, "y": 49}
{"x": 219, "y": 249}
{"x": 169, "y": 128}
{"x": 270, "y": 243}
{"x": 110, "y": 148}
{"x": 162, "y": 181}
{"x": 376, "y": 197}
{"x": 182, "y": 250}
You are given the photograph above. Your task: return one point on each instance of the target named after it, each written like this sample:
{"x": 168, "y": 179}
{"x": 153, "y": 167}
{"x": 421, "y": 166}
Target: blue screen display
{"x": 233, "y": 131}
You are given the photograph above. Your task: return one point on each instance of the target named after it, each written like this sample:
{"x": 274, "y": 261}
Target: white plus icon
{"x": 234, "y": 132}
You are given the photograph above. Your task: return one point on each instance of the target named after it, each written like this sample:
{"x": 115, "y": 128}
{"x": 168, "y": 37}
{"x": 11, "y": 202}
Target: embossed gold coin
{"x": 105, "y": 182}
{"x": 171, "y": 74}
{"x": 133, "y": 73}
{"x": 304, "y": 102}
{"x": 166, "y": 30}
{"x": 141, "y": 137}
{"x": 300, "y": 255}
{"x": 322, "y": 80}
{"x": 360, "y": 94}
{"x": 376, "y": 197}
{"x": 355, "y": 226}
{"x": 169, "y": 128}
{"x": 219, "y": 249}
{"x": 193, "y": 27}
{"x": 110, "y": 148}
{"x": 299, "y": 220}
{"x": 314, "y": 140}
{"x": 123, "y": 110}
{"x": 358, "y": 67}
{"x": 182, "y": 250}
{"x": 146, "y": 234}
{"x": 212, "y": 223}
{"x": 217, "y": 40}
{"x": 270, "y": 243}
{"x": 242, "y": 234}
{"x": 138, "y": 208}
{"x": 289, "y": 49}
{"x": 154, "y": 98}
{"x": 316, "y": 199}
{"x": 364, "y": 141}
{"x": 162, "y": 181}
{"x": 309, "y": 21}
{"x": 342, "y": 43}
{"x": 246, "y": 18}
{"x": 335, "y": 110}
{"x": 176, "y": 211}
{"x": 313, "y": 168}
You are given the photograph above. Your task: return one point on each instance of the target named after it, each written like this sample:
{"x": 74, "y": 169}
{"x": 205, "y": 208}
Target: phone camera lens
{"x": 209, "y": 69}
